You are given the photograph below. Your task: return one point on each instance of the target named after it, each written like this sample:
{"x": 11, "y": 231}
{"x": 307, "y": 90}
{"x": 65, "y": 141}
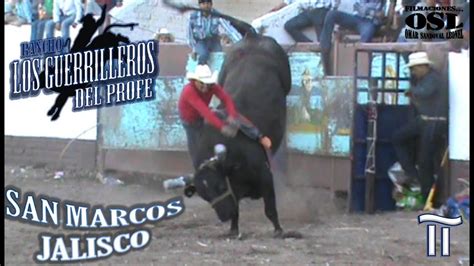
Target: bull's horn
{"x": 178, "y": 182}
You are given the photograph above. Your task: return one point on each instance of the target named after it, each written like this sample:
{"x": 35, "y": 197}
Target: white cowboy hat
{"x": 203, "y": 74}
{"x": 163, "y": 31}
{"x": 418, "y": 58}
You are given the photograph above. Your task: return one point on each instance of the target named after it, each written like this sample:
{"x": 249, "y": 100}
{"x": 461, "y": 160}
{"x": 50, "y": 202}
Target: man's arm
{"x": 426, "y": 88}
{"x": 226, "y": 100}
{"x": 233, "y": 34}
{"x": 195, "y": 101}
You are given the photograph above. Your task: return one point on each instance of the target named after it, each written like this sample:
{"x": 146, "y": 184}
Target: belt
{"x": 433, "y": 118}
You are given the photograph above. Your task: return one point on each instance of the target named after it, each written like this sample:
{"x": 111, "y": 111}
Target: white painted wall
{"x": 27, "y": 117}
{"x": 459, "y": 106}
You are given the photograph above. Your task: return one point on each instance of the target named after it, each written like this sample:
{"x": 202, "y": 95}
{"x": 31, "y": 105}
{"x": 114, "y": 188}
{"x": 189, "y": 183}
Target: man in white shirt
{"x": 66, "y": 13}
{"x": 311, "y": 13}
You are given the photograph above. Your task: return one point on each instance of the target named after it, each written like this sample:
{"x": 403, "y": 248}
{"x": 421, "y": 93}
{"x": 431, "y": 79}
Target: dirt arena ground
{"x": 330, "y": 235}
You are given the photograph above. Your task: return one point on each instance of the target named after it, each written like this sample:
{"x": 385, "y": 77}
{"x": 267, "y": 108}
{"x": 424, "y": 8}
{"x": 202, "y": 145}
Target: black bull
{"x": 256, "y": 73}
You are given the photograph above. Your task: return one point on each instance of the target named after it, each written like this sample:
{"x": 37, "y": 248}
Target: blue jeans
{"x": 66, "y": 22}
{"x": 37, "y": 29}
{"x": 365, "y": 27}
{"x": 204, "y": 47}
{"x": 313, "y": 17}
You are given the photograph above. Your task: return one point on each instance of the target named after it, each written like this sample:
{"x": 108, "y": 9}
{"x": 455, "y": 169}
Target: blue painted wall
{"x": 319, "y": 111}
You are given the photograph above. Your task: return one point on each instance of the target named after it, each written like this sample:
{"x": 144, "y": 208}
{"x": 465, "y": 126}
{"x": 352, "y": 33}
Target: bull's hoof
{"x": 232, "y": 234}
{"x": 278, "y": 233}
{"x": 292, "y": 234}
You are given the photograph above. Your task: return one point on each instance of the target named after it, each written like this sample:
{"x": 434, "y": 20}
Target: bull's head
{"x": 211, "y": 182}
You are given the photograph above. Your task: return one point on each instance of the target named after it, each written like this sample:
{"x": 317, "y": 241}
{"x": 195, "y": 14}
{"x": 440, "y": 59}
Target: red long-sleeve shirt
{"x": 194, "y": 104}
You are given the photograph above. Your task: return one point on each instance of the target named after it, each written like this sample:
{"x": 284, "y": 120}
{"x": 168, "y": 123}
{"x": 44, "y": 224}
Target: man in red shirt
{"x": 194, "y": 109}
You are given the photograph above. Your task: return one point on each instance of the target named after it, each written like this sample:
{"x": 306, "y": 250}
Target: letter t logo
{"x": 431, "y": 232}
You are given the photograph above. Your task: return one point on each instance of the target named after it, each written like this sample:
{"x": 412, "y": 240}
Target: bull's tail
{"x": 242, "y": 27}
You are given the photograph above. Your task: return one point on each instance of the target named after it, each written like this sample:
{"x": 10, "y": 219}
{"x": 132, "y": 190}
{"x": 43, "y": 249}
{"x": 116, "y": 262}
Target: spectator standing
{"x": 430, "y": 100}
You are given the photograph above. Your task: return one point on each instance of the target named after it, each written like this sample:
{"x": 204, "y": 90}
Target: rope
{"x": 229, "y": 192}
{"x": 371, "y": 152}
{"x": 463, "y": 181}
{"x": 74, "y": 139}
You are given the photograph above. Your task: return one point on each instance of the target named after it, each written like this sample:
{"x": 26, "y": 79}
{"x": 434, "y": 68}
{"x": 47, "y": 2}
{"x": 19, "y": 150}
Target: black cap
{"x": 205, "y": 1}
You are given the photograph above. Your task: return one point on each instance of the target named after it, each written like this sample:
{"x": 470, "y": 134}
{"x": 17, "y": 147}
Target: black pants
{"x": 311, "y": 17}
{"x": 430, "y": 138}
